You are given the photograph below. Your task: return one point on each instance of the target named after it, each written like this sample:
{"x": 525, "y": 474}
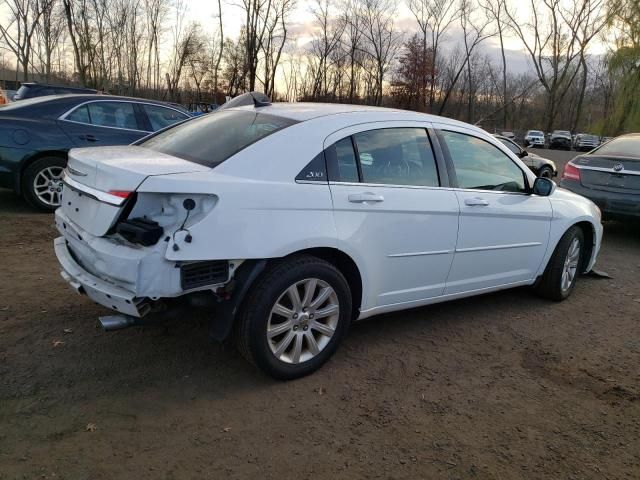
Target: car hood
{"x": 559, "y": 135}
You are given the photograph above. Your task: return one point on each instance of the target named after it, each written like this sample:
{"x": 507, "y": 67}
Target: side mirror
{"x": 543, "y": 187}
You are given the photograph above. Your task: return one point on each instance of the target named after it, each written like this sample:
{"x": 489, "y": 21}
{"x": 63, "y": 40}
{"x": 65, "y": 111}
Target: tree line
{"x": 360, "y": 51}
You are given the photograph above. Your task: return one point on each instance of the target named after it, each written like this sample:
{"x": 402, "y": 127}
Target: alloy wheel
{"x": 47, "y": 185}
{"x": 303, "y": 320}
{"x": 570, "y": 264}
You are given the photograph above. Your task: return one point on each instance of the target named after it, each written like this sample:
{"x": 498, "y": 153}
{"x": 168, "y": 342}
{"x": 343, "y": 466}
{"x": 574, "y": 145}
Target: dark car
{"x": 542, "y": 167}
{"x": 609, "y": 176}
{"x": 560, "y": 139}
{"x": 32, "y": 90}
{"x": 36, "y": 134}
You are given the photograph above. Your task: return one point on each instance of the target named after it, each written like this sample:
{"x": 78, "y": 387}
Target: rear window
{"x": 624, "y": 146}
{"x": 211, "y": 139}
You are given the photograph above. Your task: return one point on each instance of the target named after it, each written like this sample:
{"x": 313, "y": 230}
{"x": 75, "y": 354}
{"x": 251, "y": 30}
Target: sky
{"x": 203, "y": 11}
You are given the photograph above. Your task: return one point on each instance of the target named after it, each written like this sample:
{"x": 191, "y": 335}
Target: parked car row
{"x": 563, "y": 139}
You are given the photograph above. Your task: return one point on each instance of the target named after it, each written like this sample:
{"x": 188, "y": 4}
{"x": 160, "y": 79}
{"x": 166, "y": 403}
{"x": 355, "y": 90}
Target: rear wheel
{"x": 42, "y": 183}
{"x": 294, "y": 317}
{"x": 563, "y": 269}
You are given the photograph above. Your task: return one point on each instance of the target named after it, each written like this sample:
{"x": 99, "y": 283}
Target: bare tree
{"x": 496, "y": 10}
{"x": 18, "y": 33}
{"x": 382, "y": 40}
{"x": 553, "y": 46}
{"x": 434, "y": 17}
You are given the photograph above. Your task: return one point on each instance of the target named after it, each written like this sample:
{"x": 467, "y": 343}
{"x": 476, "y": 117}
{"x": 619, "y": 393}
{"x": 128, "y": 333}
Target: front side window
{"x": 211, "y": 139}
{"x": 161, "y": 117}
{"x": 480, "y": 165}
{"x": 396, "y": 156}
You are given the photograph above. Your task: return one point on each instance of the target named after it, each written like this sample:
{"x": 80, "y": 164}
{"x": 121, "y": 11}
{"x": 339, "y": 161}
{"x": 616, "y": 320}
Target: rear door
{"x": 503, "y": 230}
{"x": 100, "y": 123}
{"x": 392, "y": 211}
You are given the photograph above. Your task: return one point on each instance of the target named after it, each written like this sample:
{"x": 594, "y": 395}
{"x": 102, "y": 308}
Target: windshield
{"x": 562, "y": 132}
{"x": 623, "y": 146}
{"x": 535, "y": 133}
{"x": 211, "y": 139}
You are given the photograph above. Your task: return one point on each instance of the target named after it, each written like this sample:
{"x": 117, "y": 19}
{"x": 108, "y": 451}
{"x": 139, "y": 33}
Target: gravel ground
{"x": 502, "y": 386}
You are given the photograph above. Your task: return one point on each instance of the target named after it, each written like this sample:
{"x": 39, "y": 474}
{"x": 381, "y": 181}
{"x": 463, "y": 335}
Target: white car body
{"x": 411, "y": 245}
{"x": 534, "y": 138}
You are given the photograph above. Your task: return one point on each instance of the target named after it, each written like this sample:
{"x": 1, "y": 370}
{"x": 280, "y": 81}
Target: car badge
{"x": 618, "y": 167}
{"x": 75, "y": 172}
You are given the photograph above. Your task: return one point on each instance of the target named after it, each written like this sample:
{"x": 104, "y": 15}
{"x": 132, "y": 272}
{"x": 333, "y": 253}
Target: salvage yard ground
{"x": 502, "y": 386}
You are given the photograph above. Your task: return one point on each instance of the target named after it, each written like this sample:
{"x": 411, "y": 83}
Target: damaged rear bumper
{"x": 106, "y": 294}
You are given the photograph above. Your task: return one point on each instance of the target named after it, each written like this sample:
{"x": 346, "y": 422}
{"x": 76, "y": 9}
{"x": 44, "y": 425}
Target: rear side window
{"x": 113, "y": 114}
{"x": 161, "y": 117}
{"x": 211, "y": 139}
{"x": 397, "y": 156}
{"x": 341, "y": 160}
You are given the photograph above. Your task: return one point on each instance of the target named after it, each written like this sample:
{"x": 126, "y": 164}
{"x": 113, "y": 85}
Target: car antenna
{"x": 257, "y": 99}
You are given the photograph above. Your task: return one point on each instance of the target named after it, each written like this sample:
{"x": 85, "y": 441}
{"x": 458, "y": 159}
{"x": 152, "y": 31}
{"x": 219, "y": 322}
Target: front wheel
{"x": 294, "y": 317}
{"x": 546, "y": 172}
{"x": 563, "y": 268}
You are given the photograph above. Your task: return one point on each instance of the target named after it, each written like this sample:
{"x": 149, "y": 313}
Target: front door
{"x": 391, "y": 212}
{"x": 503, "y": 230}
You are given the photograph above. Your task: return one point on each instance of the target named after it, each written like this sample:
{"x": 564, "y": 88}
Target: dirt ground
{"x": 503, "y": 386}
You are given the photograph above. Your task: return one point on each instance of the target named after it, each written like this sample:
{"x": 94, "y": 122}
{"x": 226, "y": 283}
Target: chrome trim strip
{"x": 92, "y": 192}
{"x": 419, "y": 254}
{"x": 387, "y": 185}
{"x": 608, "y": 170}
{"x": 63, "y": 117}
{"x": 498, "y": 247}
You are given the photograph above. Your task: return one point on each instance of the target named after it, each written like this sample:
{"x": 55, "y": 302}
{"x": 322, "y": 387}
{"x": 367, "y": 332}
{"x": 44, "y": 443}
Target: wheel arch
{"x": 226, "y": 312}
{"x": 347, "y": 266}
{"x": 36, "y": 156}
{"x": 589, "y": 232}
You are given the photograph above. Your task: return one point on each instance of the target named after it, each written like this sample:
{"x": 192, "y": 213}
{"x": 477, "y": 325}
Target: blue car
{"x": 36, "y": 134}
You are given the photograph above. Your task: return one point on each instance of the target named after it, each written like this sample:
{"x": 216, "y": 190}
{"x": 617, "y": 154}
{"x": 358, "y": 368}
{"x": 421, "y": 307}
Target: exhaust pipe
{"x": 118, "y": 322}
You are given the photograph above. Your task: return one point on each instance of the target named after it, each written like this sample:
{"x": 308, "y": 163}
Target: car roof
{"x": 303, "y": 111}
{"x": 80, "y": 98}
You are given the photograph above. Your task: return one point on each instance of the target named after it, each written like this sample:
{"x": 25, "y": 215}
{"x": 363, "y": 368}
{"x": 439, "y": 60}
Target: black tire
{"x": 546, "y": 172}
{"x": 550, "y": 285}
{"x": 30, "y": 175}
{"x": 253, "y": 320}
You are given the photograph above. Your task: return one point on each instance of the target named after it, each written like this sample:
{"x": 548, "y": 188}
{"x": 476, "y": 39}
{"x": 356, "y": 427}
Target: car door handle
{"x": 88, "y": 138}
{"x": 365, "y": 198}
{"x": 476, "y": 202}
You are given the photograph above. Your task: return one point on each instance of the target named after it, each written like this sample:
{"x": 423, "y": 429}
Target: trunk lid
{"x": 610, "y": 173}
{"x": 95, "y": 177}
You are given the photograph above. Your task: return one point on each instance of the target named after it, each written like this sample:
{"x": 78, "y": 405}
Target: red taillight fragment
{"x": 571, "y": 172}
{"x": 120, "y": 193}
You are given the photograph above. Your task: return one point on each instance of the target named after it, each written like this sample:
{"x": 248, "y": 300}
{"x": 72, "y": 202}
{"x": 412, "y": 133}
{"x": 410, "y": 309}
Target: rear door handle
{"x": 365, "y": 198}
{"x": 476, "y": 202}
{"x": 88, "y": 138}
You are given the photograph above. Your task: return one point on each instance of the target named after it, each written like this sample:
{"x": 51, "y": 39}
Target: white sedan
{"x": 285, "y": 222}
